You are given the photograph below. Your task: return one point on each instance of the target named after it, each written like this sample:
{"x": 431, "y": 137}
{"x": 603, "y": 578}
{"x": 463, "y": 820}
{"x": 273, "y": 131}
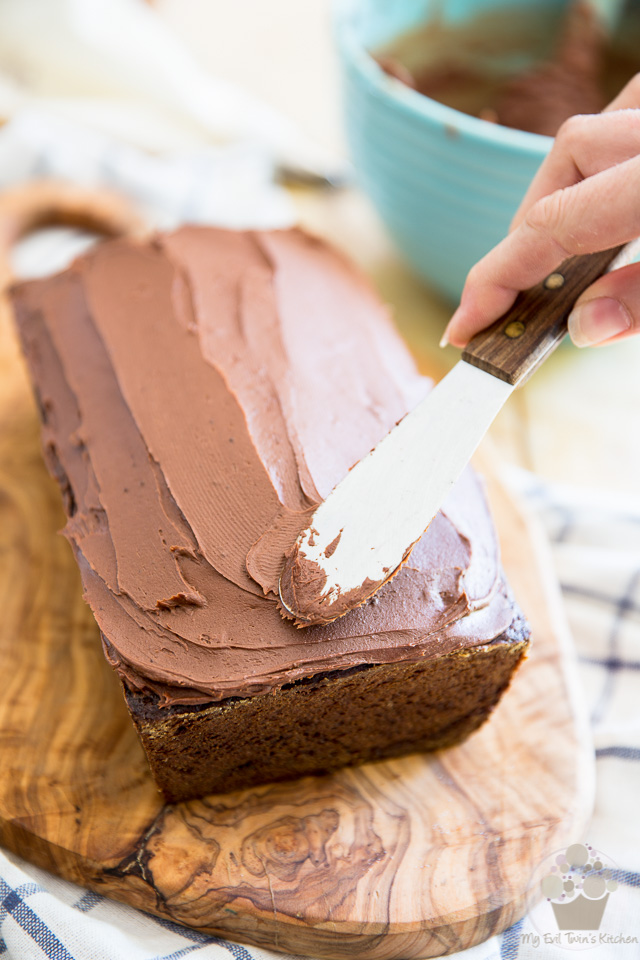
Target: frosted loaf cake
{"x": 200, "y": 393}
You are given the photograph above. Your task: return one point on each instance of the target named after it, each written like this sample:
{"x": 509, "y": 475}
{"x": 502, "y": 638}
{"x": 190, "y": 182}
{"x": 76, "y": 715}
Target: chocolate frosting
{"x": 541, "y": 99}
{"x": 200, "y": 394}
{"x": 462, "y": 65}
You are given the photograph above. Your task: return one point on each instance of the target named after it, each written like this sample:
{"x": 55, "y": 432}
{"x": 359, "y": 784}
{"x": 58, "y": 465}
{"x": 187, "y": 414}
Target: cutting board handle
{"x": 46, "y": 203}
{"x": 516, "y": 344}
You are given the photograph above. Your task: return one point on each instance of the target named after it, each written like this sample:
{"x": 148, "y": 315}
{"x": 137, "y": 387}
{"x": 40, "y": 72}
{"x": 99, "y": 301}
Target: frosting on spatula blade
{"x": 364, "y": 531}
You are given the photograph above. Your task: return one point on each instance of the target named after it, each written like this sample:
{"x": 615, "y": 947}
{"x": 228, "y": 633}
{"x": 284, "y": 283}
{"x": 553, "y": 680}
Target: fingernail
{"x": 444, "y": 340}
{"x": 597, "y": 320}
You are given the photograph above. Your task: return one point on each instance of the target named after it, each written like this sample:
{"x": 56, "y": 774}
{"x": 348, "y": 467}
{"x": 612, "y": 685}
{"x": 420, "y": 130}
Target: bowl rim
{"x": 352, "y": 50}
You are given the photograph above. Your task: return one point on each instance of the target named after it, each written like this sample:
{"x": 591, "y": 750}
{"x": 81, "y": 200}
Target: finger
{"x": 629, "y": 96}
{"x": 596, "y": 214}
{"x": 609, "y": 310}
{"x": 584, "y": 146}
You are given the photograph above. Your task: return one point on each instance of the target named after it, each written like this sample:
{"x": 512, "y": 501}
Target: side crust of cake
{"x": 318, "y": 725}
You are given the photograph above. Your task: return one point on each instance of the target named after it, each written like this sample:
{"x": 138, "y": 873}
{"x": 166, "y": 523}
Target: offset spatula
{"x": 360, "y": 536}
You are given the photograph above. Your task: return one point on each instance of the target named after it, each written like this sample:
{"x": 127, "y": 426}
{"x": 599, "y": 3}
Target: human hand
{"x": 584, "y": 198}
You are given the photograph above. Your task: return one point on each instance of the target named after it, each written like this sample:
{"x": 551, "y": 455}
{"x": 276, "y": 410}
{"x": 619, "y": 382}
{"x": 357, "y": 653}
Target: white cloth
{"x": 114, "y": 65}
{"x": 230, "y": 186}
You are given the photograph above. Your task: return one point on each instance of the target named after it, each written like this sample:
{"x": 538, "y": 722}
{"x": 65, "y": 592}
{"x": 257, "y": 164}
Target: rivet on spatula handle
{"x": 516, "y": 344}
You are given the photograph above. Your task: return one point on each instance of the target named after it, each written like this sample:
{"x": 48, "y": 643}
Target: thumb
{"x": 608, "y": 310}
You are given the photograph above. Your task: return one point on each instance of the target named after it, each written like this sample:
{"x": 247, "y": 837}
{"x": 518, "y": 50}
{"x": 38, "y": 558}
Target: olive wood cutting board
{"x": 407, "y": 858}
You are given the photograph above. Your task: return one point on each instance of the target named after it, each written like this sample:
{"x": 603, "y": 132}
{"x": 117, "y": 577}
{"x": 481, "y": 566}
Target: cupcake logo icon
{"x": 578, "y": 900}
{"x": 578, "y": 886}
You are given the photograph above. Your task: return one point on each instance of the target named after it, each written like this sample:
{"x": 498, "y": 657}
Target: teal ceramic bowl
{"x": 445, "y": 184}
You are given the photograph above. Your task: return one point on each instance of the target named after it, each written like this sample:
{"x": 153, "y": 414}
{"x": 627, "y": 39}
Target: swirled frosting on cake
{"x": 201, "y": 393}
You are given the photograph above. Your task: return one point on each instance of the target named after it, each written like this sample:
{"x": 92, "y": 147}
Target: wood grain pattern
{"x": 42, "y": 203}
{"x": 515, "y": 345}
{"x": 410, "y": 858}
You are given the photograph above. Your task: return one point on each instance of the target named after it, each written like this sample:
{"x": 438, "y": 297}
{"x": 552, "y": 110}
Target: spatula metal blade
{"x": 359, "y": 536}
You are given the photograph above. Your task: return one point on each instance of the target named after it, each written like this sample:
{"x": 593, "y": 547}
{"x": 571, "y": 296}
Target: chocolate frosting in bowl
{"x": 201, "y": 393}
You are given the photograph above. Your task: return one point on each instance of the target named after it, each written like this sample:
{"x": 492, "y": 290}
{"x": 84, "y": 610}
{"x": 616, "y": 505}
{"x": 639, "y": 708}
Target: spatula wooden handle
{"x": 516, "y": 344}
